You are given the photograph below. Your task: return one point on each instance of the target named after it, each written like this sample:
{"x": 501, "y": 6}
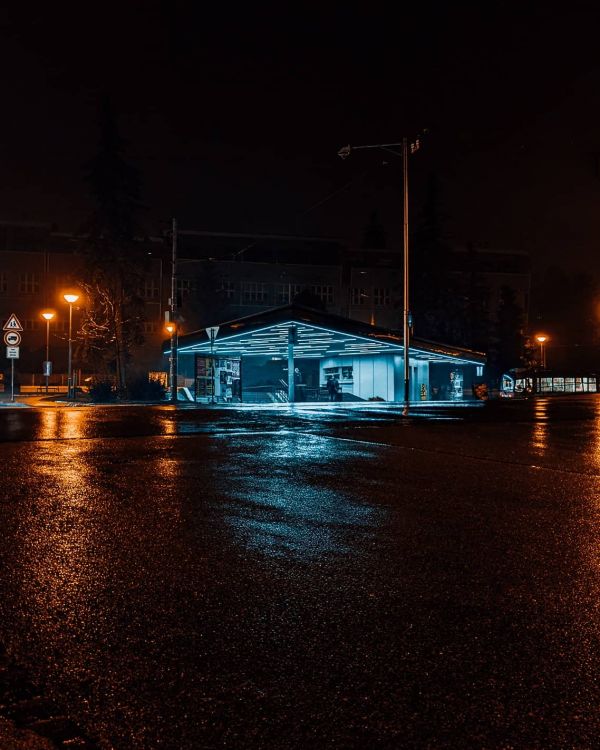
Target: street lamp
{"x": 47, "y": 316}
{"x": 71, "y": 299}
{"x": 414, "y": 146}
{"x": 171, "y": 329}
{"x": 541, "y": 338}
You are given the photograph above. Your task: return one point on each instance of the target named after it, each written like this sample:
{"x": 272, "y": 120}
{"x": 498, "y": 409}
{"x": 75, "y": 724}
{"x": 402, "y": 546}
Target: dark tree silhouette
{"x": 507, "y": 349}
{"x": 114, "y": 261}
{"x": 435, "y": 305}
{"x": 476, "y": 322}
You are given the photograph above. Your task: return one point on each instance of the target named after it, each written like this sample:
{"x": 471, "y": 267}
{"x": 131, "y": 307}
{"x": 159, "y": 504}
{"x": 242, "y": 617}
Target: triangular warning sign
{"x": 212, "y": 332}
{"x": 12, "y": 324}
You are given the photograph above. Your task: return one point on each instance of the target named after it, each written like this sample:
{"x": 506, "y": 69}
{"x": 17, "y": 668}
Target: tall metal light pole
{"x": 48, "y": 316}
{"x": 71, "y": 299}
{"x": 173, "y": 315}
{"x": 344, "y": 152}
{"x": 541, "y": 338}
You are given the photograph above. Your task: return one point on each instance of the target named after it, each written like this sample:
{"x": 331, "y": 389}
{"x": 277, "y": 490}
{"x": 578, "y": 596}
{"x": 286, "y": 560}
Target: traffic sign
{"x": 12, "y": 324}
{"x": 212, "y": 332}
{"x": 12, "y": 338}
{"x": 12, "y": 352}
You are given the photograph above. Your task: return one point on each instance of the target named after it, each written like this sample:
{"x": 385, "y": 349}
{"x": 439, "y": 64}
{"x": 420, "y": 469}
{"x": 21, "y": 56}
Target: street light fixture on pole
{"x": 47, "y": 316}
{"x": 541, "y": 338}
{"x": 71, "y": 299}
{"x": 171, "y": 329}
{"x": 344, "y": 153}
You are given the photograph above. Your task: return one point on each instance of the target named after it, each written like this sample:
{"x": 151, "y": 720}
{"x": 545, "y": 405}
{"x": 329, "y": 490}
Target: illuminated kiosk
{"x": 331, "y": 358}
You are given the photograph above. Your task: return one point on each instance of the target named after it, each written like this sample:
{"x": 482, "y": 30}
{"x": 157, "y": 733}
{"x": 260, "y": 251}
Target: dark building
{"x": 220, "y": 276}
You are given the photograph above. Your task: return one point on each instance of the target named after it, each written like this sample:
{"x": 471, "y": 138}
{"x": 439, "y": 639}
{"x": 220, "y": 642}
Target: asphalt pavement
{"x": 302, "y": 577}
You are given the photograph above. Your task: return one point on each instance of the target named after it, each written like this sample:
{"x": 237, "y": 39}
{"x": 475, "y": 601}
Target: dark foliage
{"x": 434, "y": 304}
{"x": 114, "y": 260}
{"x": 103, "y": 391}
{"x": 508, "y": 346}
{"x": 144, "y": 388}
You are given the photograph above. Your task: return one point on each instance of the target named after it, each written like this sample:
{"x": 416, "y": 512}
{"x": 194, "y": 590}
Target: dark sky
{"x": 235, "y": 114}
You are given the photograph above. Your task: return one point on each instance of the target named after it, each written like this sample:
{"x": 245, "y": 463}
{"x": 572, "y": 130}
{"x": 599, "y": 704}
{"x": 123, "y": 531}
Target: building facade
{"x": 220, "y": 276}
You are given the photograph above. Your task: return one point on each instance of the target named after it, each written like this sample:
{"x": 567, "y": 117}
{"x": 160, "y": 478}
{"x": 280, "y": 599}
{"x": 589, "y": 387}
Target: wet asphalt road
{"x": 299, "y": 579}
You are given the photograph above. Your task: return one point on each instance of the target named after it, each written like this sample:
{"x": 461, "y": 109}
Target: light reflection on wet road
{"x": 187, "y": 579}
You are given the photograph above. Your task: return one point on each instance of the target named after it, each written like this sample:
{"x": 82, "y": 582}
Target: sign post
{"x": 212, "y": 335}
{"x": 12, "y": 339}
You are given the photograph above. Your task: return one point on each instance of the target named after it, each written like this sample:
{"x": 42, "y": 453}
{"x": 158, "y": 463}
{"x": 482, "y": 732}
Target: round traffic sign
{"x": 12, "y": 338}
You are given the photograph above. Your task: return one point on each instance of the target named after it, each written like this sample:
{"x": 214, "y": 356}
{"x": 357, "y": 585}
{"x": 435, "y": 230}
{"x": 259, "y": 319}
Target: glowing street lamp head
{"x": 48, "y": 315}
{"x": 170, "y": 328}
{"x": 541, "y": 338}
{"x": 71, "y": 298}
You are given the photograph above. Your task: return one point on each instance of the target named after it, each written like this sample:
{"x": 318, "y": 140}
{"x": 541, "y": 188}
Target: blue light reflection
{"x": 293, "y": 511}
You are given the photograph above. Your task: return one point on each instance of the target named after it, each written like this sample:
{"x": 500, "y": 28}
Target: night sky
{"x": 235, "y": 115}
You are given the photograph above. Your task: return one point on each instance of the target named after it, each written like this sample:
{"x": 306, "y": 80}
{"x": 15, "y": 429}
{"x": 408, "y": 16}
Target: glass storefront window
{"x": 558, "y": 384}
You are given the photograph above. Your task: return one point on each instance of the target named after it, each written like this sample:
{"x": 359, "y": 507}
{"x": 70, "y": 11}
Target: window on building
{"x": 184, "y": 287}
{"x": 228, "y": 289}
{"x": 150, "y": 289}
{"x": 324, "y": 292}
{"x": 150, "y": 326}
{"x": 358, "y": 296}
{"x": 381, "y": 296}
{"x": 3, "y": 283}
{"x": 29, "y": 283}
{"x": 479, "y": 370}
{"x": 254, "y": 292}
{"x": 285, "y": 293}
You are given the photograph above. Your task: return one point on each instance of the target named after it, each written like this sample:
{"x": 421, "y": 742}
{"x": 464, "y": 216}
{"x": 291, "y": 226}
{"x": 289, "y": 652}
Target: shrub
{"x": 102, "y": 391}
{"x": 144, "y": 388}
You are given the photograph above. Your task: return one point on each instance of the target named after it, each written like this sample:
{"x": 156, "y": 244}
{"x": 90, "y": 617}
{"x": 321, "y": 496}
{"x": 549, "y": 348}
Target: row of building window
{"x": 258, "y": 292}
{"x": 29, "y": 283}
{"x": 252, "y": 292}
{"x": 63, "y": 325}
{"x": 31, "y": 324}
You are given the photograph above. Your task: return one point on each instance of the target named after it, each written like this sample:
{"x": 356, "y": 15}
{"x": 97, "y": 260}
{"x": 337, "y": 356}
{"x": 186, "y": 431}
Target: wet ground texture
{"x": 296, "y": 578}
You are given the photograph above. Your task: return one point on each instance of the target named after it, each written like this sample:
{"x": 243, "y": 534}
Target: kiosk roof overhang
{"x": 319, "y": 335}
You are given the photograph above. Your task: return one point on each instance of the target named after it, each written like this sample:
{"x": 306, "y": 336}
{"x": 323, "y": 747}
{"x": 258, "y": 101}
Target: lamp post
{"x": 171, "y": 329}
{"x": 71, "y": 299}
{"x": 47, "y": 316}
{"x": 541, "y": 338}
{"x": 414, "y": 146}
{"x": 173, "y": 312}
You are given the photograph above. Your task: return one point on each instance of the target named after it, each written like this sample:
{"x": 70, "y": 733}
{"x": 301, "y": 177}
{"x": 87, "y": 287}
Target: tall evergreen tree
{"x": 114, "y": 260}
{"x": 508, "y": 345}
{"x": 433, "y": 303}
